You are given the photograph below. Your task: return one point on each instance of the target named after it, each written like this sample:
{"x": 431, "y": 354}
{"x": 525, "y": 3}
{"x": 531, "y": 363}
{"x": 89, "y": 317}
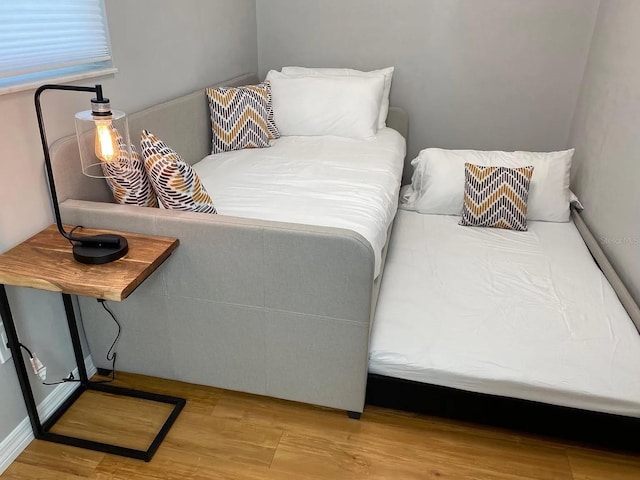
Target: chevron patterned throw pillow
{"x": 496, "y": 196}
{"x": 127, "y": 178}
{"x": 241, "y": 117}
{"x": 174, "y": 181}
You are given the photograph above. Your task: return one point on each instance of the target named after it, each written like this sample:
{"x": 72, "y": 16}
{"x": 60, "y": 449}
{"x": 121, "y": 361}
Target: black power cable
{"x": 27, "y": 349}
{"x": 70, "y": 377}
{"x": 111, "y": 355}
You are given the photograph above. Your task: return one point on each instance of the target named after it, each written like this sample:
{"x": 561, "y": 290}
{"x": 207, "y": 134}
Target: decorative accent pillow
{"x": 437, "y": 185}
{"x": 386, "y": 73}
{"x": 174, "y": 181}
{"x": 127, "y": 178}
{"x": 271, "y": 123}
{"x": 241, "y": 117}
{"x": 496, "y": 196}
{"x": 326, "y": 105}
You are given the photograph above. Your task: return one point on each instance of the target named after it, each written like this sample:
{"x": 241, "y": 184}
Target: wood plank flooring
{"x": 236, "y": 436}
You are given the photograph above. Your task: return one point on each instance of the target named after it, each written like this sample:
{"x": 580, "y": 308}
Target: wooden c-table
{"x": 45, "y": 261}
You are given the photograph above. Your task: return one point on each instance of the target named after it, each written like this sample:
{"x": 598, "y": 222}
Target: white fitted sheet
{"x": 325, "y": 181}
{"x": 519, "y": 314}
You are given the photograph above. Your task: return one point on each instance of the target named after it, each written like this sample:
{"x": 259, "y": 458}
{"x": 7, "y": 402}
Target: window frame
{"x": 64, "y": 74}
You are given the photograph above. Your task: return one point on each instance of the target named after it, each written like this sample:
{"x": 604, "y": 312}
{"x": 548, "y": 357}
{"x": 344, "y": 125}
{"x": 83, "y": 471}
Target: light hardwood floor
{"x": 230, "y": 435}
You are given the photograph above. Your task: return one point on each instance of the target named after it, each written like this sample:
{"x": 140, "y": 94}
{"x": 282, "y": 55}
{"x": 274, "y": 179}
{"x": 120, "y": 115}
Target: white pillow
{"x": 387, "y": 74}
{"x": 326, "y": 105}
{"x": 437, "y": 186}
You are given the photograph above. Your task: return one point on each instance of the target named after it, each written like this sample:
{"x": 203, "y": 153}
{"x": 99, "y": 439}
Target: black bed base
{"x": 592, "y": 428}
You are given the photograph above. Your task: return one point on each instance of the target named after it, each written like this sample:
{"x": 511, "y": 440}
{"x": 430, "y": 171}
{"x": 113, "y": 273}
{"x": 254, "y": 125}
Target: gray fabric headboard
{"x": 189, "y": 142}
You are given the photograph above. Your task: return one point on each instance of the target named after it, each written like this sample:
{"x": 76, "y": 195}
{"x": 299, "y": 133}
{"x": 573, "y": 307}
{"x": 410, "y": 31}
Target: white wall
{"x": 606, "y": 133}
{"x": 162, "y": 48}
{"x": 485, "y": 74}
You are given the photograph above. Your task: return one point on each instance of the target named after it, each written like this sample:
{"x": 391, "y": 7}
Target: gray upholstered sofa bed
{"x": 270, "y": 308}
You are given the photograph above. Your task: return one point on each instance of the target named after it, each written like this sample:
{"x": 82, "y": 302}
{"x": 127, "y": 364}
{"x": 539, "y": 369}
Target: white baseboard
{"x": 22, "y": 435}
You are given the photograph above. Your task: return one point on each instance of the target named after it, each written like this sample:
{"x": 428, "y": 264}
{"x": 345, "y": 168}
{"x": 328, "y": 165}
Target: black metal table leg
{"x": 23, "y": 377}
{"x": 42, "y": 431}
{"x": 75, "y": 338}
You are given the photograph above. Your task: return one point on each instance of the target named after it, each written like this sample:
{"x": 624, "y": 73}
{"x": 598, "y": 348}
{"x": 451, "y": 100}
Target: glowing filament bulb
{"x": 106, "y": 144}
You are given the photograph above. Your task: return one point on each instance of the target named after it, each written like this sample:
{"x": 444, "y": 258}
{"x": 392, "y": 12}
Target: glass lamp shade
{"x": 102, "y": 139}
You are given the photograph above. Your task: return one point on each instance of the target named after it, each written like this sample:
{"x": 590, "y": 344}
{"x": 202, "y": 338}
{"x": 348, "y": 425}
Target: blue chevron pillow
{"x": 496, "y": 196}
{"x": 241, "y": 117}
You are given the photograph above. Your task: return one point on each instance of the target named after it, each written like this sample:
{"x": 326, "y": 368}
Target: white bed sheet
{"x": 325, "y": 181}
{"x": 520, "y": 314}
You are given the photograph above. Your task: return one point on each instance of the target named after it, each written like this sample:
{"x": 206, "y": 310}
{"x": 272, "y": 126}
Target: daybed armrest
{"x": 263, "y": 307}
{"x": 276, "y": 265}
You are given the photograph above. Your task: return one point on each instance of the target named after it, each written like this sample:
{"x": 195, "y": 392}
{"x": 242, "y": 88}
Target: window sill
{"x": 73, "y": 77}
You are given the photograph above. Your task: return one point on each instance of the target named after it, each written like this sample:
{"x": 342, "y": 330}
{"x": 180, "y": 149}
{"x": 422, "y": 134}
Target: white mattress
{"x": 325, "y": 181}
{"x": 519, "y": 314}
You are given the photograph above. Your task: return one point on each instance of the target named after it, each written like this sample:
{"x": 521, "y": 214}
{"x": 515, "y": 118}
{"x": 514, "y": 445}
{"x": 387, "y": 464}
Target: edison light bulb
{"x": 106, "y": 144}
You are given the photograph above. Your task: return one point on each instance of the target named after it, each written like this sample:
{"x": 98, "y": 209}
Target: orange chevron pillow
{"x": 127, "y": 178}
{"x": 241, "y": 117}
{"x": 177, "y": 184}
{"x": 496, "y": 196}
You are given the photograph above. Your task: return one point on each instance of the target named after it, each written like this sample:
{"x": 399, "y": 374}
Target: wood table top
{"x": 45, "y": 261}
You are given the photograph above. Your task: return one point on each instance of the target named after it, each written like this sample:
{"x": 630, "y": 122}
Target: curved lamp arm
{"x": 88, "y": 249}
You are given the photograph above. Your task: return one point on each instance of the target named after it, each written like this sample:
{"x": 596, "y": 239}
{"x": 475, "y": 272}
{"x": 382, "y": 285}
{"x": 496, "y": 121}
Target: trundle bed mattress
{"x": 526, "y": 315}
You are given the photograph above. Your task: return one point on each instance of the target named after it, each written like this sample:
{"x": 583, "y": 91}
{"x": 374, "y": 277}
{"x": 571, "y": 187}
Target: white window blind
{"x": 42, "y": 38}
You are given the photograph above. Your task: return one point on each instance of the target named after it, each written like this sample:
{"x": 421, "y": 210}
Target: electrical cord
{"x": 71, "y": 233}
{"x": 27, "y": 349}
{"x": 111, "y": 355}
{"x": 69, "y": 378}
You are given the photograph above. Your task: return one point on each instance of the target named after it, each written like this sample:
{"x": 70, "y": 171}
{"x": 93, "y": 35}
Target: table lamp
{"x": 97, "y": 130}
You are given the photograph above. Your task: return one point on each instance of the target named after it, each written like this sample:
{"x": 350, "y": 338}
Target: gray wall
{"x": 163, "y": 48}
{"x": 484, "y": 74}
{"x": 606, "y": 133}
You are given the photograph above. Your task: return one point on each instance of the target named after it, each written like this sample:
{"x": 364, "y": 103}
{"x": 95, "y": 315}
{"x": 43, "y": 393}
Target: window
{"x": 41, "y": 40}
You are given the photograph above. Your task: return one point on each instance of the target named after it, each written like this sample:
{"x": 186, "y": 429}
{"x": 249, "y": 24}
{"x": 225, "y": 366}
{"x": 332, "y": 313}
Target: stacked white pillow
{"x": 330, "y": 101}
{"x": 386, "y": 73}
{"x": 437, "y": 186}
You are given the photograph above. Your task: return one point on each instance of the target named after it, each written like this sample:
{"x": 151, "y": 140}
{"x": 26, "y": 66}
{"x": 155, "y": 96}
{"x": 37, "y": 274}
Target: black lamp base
{"x": 100, "y": 249}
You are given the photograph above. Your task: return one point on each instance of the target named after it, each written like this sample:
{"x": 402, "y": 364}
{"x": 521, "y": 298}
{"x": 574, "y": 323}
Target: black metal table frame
{"x": 41, "y": 430}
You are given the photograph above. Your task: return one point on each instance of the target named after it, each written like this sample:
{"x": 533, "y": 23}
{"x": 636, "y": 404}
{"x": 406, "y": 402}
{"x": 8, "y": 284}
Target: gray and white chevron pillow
{"x": 496, "y": 196}
{"x": 241, "y": 117}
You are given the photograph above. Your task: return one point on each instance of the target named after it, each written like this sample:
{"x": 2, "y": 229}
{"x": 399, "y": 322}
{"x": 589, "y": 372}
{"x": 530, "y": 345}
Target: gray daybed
{"x": 264, "y": 307}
